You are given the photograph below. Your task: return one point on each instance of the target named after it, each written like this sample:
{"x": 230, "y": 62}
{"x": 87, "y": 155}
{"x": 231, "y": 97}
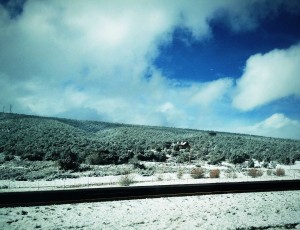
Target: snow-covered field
{"x": 271, "y": 210}
{"x": 159, "y": 178}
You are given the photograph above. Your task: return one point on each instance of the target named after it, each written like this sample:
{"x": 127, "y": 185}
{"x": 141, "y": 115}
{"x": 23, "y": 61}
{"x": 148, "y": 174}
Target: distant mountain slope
{"x": 46, "y": 138}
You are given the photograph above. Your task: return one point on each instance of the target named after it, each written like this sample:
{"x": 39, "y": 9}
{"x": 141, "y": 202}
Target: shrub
{"x": 179, "y": 173}
{"x": 160, "y": 177}
{"x": 126, "y": 179}
{"x": 183, "y": 157}
{"x": 197, "y": 173}
{"x": 255, "y": 172}
{"x": 8, "y": 157}
{"x": 52, "y": 156}
{"x": 84, "y": 168}
{"x": 269, "y": 172}
{"x": 160, "y": 157}
{"x": 147, "y": 172}
{"x": 238, "y": 158}
{"x": 21, "y": 178}
{"x": 273, "y": 165}
{"x": 214, "y": 173}
{"x": 216, "y": 159}
{"x": 136, "y": 163}
{"x": 286, "y": 160}
{"x": 59, "y": 175}
{"x": 231, "y": 175}
{"x": 265, "y": 164}
{"x": 148, "y": 156}
{"x": 13, "y": 173}
{"x": 69, "y": 161}
{"x": 103, "y": 157}
{"x": 280, "y": 172}
{"x": 251, "y": 163}
{"x": 35, "y": 156}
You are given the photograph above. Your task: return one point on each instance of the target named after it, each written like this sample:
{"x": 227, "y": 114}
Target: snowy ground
{"x": 272, "y": 210}
{"x": 159, "y": 178}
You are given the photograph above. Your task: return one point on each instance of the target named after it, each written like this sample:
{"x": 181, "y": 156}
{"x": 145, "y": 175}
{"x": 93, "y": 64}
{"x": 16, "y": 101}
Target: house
{"x": 183, "y": 145}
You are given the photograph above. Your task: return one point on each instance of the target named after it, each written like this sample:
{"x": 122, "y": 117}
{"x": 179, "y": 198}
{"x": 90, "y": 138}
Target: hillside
{"x": 44, "y": 138}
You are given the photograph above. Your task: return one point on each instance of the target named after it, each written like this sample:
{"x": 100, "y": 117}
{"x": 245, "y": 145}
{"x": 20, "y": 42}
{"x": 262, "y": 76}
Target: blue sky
{"x": 225, "y": 52}
{"x": 224, "y": 65}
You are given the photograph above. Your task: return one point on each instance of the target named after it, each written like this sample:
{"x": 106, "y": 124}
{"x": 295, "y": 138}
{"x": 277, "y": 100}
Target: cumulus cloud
{"x": 94, "y": 55}
{"x": 277, "y": 125}
{"x": 269, "y": 77}
{"x": 94, "y": 59}
{"x": 212, "y": 91}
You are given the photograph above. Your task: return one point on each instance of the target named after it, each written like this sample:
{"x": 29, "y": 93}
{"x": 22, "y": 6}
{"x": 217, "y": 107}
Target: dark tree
{"x": 68, "y": 161}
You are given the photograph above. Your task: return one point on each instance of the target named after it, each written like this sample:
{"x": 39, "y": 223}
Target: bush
{"x": 136, "y": 163}
{"x": 265, "y": 164}
{"x": 179, "y": 173}
{"x": 147, "y": 172}
{"x": 214, "y": 173}
{"x": 36, "y": 156}
{"x": 160, "y": 157}
{"x": 52, "y": 156}
{"x": 8, "y": 157}
{"x": 103, "y": 157}
{"x": 69, "y": 161}
{"x": 255, "y": 172}
{"x": 269, "y": 172}
{"x": 183, "y": 157}
{"x": 160, "y": 177}
{"x": 13, "y": 173}
{"x": 94, "y": 159}
{"x": 84, "y": 168}
{"x": 238, "y": 158}
{"x": 280, "y": 172}
{"x": 59, "y": 175}
{"x": 197, "y": 173}
{"x": 232, "y": 175}
{"x": 251, "y": 163}
{"x": 21, "y": 178}
{"x": 286, "y": 160}
{"x": 126, "y": 179}
{"x": 216, "y": 159}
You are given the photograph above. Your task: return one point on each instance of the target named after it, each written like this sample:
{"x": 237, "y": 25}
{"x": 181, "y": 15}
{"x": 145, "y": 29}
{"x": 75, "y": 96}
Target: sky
{"x": 224, "y": 65}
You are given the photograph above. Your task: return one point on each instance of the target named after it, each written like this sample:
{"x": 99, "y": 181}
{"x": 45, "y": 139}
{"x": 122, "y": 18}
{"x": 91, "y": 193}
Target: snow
{"x": 159, "y": 178}
{"x": 272, "y": 210}
{"x": 226, "y": 211}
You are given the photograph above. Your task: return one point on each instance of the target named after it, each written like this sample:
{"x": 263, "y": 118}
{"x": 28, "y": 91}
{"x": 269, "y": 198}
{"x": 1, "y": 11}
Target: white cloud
{"x": 91, "y": 57}
{"x": 212, "y": 91}
{"x": 277, "y": 125}
{"x": 103, "y": 47}
{"x": 269, "y": 77}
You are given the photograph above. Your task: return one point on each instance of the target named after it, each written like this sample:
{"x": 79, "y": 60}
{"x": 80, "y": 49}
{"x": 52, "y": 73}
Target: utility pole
{"x": 10, "y": 108}
{"x": 3, "y": 108}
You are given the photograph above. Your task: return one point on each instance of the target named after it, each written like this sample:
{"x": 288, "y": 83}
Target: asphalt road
{"x": 33, "y": 198}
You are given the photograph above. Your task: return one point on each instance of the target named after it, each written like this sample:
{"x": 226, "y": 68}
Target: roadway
{"x": 34, "y": 198}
